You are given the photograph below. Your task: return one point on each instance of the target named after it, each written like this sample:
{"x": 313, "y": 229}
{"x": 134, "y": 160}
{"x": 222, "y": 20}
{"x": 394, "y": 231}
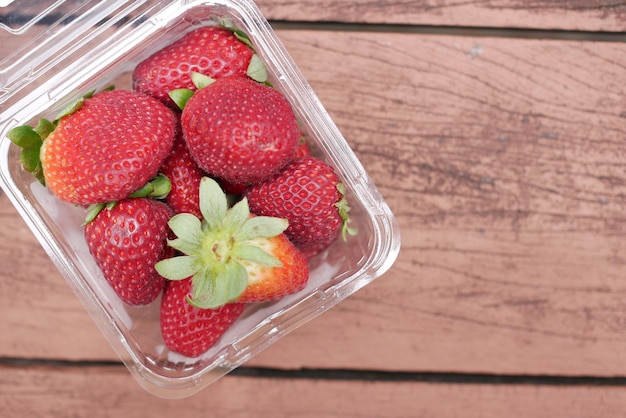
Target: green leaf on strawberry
{"x": 24, "y": 137}
{"x": 217, "y": 247}
{"x": 256, "y": 69}
{"x": 200, "y": 80}
{"x": 227, "y": 23}
{"x": 30, "y": 141}
{"x": 157, "y": 188}
{"x": 181, "y": 96}
{"x": 44, "y": 128}
{"x": 344, "y": 209}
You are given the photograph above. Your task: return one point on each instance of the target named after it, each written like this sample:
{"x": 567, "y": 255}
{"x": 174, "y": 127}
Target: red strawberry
{"x": 239, "y": 130}
{"x": 235, "y": 189}
{"x": 307, "y": 193}
{"x": 126, "y": 241}
{"x": 184, "y": 175}
{"x": 212, "y": 51}
{"x": 187, "y": 329}
{"x": 108, "y": 146}
{"x": 231, "y": 255}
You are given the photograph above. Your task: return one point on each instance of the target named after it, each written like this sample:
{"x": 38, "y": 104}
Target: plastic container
{"x": 66, "y": 48}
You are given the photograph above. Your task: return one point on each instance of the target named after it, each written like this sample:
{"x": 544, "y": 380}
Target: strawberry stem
{"x": 157, "y": 188}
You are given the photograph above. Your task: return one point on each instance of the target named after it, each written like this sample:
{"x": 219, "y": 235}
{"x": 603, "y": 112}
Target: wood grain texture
{"x": 603, "y": 15}
{"x": 109, "y": 392}
{"x": 503, "y": 161}
{"x": 41, "y": 317}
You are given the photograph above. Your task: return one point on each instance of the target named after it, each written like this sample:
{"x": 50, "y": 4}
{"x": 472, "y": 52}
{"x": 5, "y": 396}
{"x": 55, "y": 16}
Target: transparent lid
{"x": 19, "y": 15}
{"x": 41, "y": 32}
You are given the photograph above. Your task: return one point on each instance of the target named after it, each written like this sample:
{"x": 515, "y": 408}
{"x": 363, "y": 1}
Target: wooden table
{"x": 497, "y": 133}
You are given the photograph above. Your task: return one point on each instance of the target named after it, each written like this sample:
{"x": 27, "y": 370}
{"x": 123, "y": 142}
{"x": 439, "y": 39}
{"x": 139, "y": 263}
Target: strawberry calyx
{"x": 157, "y": 188}
{"x": 256, "y": 69}
{"x": 30, "y": 140}
{"x": 216, "y": 247}
{"x": 182, "y": 96}
{"x": 344, "y": 208}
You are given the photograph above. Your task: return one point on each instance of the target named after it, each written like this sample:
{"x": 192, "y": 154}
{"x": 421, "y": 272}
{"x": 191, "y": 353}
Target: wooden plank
{"x": 604, "y": 15}
{"x": 41, "y": 317}
{"x": 110, "y": 392}
{"x": 504, "y": 163}
{"x": 503, "y": 160}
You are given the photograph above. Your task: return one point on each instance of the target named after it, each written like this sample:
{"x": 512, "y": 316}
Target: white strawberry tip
{"x": 215, "y": 247}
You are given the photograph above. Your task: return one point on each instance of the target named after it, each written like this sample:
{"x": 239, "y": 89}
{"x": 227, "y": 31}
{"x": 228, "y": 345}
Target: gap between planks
{"x": 491, "y": 32}
{"x": 355, "y": 375}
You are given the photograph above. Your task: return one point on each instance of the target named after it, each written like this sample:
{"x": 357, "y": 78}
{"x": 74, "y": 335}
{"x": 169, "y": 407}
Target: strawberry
{"x": 184, "y": 175}
{"x": 231, "y": 255}
{"x": 106, "y": 147}
{"x": 235, "y": 189}
{"x": 126, "y": 241}
{"x": 308, "y": 193}
{"x": 214, "y": 51}
{"x": 189, "y": 330}
{"x": 239, "y": 130}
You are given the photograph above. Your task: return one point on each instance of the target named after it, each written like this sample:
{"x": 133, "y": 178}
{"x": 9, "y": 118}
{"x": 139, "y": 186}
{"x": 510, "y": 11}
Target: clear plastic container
{"x": 64, "y": 49}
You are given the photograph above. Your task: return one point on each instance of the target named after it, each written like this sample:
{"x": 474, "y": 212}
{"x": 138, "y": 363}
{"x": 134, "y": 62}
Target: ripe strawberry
{"x": 109, "y": 145}
{"x": 126, "y": 241}
{"x": 231, "y": 255}
{"x": 189, "y": 330}
{"x": 235, "y": 189}
{"x": 213, "y": 51}
{"x": 239, "y": 130}
{"x": 307, "y": 193}
{"x": 184, "y": 175}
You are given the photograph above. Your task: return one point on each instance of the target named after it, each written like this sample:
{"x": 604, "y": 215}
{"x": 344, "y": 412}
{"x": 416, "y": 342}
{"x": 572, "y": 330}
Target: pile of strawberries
{"x": 197, "y": 183}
